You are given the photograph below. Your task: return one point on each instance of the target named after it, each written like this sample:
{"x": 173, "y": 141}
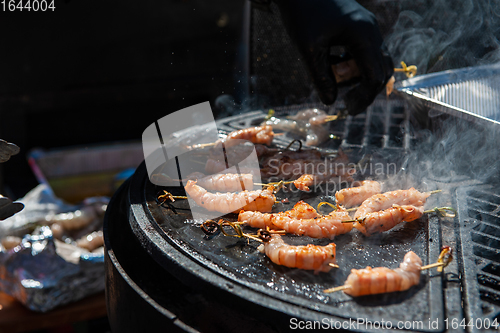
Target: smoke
{"x": 446, "y": 34}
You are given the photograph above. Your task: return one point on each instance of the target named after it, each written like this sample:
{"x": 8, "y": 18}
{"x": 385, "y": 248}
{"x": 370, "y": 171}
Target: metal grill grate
{"x": 386, "y": 125}
{"x": 479, "y": 215}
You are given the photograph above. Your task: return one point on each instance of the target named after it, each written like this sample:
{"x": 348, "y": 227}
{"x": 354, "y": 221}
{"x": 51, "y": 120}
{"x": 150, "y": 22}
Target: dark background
{"x": 100, "y": 71}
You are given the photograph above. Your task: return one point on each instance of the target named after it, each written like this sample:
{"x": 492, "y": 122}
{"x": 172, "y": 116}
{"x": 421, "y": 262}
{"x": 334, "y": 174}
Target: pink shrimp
{"x": 384, "y": 220}
{"x": 386, "y": 200}
{"x": 301, "y": 210}
{"x": 379, "y": 280}
{"x": 327, "y": 226}
{"x": 307, "y": 114}
{"x": 259, "y": 134}
{"x": 261, "y": 200}
{"x": 304, "y": 182}
{"x": 310, "y": 257}
{"x": 229, "y": 182}
{"x": 353, "y": 196}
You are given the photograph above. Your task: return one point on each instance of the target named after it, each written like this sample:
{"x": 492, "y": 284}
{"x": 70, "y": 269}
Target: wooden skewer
{"x": 436, "y": 264}
{"x": 333, "y": 265}
{"x": 332, "y": 290}
{"x": 168, "y": 196}
{"x": 410, "y": 71}
{"x": 445, "y": 257}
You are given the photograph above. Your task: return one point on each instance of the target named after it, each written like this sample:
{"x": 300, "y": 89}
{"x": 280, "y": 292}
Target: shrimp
{"x": 259, "y": 134}
{"x": 385, "y": 220}
{"x": 379, "y": 280}
{"x": 386, "y": 200}
{"x": 301, "y": 210}
{"x": 229, "y": 182}
{"x": 307, "y": 114}
{"x": 354, "y": 196}
{"x": 313, "y": 116}
{"x": 310, "y": 257}
{"x": 327, "y": 226}
{"x": 304, "y": 182}
{"x": 261, "y": 200}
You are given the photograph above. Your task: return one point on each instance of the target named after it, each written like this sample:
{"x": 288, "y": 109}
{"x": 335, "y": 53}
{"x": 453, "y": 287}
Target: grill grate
{"x": 479, "y": 215}
{"x": 385, "y": 124}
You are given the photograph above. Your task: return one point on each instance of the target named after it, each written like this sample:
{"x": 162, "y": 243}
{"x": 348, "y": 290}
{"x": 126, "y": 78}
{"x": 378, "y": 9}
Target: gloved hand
{"x": 316, "y": 25}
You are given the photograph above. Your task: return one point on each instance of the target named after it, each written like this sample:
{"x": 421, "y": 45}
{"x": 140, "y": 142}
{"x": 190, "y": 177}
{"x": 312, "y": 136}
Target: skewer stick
{"x": 168, "y": 196}
{"x": 436, "y": 264}
{"x": 410, "y": 71}
{"x": 333, "y": 265}
{"x": 441, "y": 211}
{"x": 335, "y": 207}
{"x": 445, "y": 257}
{"x": 332, "y": 290}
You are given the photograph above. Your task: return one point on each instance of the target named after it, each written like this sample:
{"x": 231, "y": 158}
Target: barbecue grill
{"x": 162, "y": 271}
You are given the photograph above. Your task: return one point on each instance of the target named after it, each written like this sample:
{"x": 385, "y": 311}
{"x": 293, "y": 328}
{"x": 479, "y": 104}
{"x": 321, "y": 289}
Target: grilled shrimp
{"x": 386, "y": 200}
{"x": 353, "y": 196}
{"x": 229, "y": 182}
{"x": 301, "y": 210}
{"x": 304, "y": 182}
{"x": 379, "y": 280}
{"x": 261, "y": 200}
{"x": 386, "y": 219}
{"x": 307, "y": 114}
{"x": 259, "y": 134}
{"x": 310, "y": 257}
{"x": 327, "y": 226}
{"x": 313, "y": 116}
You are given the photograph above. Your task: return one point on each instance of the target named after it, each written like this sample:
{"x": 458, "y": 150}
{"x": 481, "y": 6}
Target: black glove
{"x": 316, "y": 25}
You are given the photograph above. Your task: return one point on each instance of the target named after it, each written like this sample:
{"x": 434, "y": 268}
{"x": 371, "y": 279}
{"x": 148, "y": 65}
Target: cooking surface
{"x": 239, "y": 263}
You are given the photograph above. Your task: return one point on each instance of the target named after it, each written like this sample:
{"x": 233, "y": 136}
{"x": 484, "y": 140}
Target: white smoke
{"x": 445, "y": 34}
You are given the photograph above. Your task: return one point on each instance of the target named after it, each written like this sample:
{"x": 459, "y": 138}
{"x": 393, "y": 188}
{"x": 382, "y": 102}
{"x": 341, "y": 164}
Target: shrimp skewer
{"x": 259, "y": 134}
{"x": 301, "y": 210}
{"x": 260, "y": 200}
{"x": 379, "y": 280}
{"x": 303, "y": 182}
{"x": 327, "y": 226}
{"x": 386, "y": 200}
{"x": 302, "y": 219}
{"x": 309, "y": 257}
{"x": 354, "y": 196}
{"x": 229, "y": 182}
{"x": 387, "y": 219}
